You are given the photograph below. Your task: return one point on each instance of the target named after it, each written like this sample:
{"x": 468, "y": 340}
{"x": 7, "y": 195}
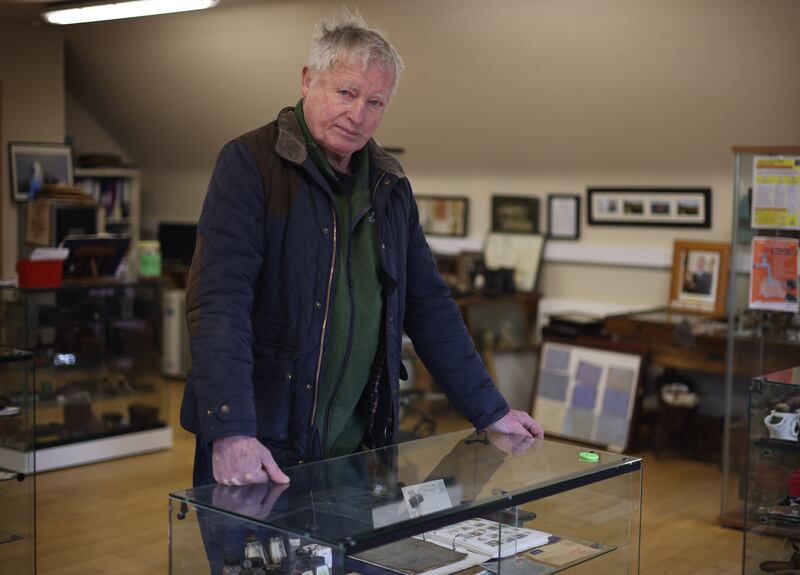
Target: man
{"x": 310, "y": 262}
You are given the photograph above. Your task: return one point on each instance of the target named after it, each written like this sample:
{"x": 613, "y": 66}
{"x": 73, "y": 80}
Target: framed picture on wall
{"x": 563, "y": 217}
{"x": 589, "y": 392}
{"x": 519, "y": 252}
{"x": 515, "y": 214}
{"x": 443, "y": 215}
{"x": 33, "y": 165}
{"x": 699, "y": 277}
{"x": 651, "y": 206}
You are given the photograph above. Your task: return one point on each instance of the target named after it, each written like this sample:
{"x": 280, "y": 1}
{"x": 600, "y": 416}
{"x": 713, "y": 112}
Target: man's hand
{"x": 239, "y": 460}
{"x": 517, "y": 422}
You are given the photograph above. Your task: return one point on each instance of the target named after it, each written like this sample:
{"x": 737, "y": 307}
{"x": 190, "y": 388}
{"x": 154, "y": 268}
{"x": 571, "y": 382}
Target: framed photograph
{"x": 33, "y": 165}
{"x": 563, "y": 217}
{"x": 589, "y": 392}
{"x": 622, "y": 206}
{"x": 520, "y": 252}
{"x": 515, "y": 214}
{"x": 443, "y": 215}
{"x": 699, "y": 277}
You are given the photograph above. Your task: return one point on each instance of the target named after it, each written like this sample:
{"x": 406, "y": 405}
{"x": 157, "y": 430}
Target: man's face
{"x": 344, "y": 106}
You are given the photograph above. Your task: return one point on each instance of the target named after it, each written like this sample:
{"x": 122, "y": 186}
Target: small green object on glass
{"x": 588, "y": 456}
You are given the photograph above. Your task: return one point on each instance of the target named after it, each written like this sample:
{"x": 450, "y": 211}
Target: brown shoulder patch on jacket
{"x": 280, "y": 179}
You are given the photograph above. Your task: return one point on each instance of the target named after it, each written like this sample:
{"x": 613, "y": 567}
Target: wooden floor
{"x": 111, "y": 517}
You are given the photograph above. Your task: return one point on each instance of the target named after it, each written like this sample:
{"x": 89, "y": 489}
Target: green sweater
{"x": 357, "y": 306}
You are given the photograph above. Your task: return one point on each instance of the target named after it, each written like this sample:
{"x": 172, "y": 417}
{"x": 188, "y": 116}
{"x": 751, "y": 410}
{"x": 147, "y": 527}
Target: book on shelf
{"x": 112, "y": 194}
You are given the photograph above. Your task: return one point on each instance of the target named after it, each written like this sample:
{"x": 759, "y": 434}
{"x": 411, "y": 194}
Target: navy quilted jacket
{"x": 259, "y": 290}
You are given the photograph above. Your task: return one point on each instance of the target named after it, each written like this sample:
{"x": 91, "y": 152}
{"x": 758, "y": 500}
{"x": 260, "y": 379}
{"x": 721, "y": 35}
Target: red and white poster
{"x": 773, "y": 277}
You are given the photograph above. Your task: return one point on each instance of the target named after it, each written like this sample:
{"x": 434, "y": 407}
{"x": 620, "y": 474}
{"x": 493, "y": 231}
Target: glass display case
{"x": 763, "y": 335}
{"x": 17, "y": 489}
{"x": 772, "y": 518}
{"x": 461, "y": 502}
{"x": 97, "y": 352}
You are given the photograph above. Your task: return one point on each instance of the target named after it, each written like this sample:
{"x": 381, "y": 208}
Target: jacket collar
{"x": 291, "y": 146}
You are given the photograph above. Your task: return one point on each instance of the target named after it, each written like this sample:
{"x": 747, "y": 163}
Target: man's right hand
{"x": 239, "y": 460}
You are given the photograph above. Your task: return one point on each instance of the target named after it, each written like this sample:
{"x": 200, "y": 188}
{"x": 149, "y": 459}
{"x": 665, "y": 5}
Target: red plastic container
{"x": 40, "y": 274}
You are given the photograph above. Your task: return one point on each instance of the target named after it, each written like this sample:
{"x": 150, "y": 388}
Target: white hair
{"x": 345, "y": 36}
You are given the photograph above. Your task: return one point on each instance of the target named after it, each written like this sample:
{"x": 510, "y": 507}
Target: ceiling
{"x": 507, "y": 85}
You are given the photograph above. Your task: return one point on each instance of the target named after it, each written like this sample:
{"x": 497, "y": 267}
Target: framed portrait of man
{"x": 699, "y": 277}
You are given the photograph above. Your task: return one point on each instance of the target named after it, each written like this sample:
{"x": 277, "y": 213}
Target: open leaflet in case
{"x": 450, "y": 503}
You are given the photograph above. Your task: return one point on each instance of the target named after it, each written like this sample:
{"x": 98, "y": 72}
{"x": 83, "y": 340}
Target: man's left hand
{"x": 518, "y": 422}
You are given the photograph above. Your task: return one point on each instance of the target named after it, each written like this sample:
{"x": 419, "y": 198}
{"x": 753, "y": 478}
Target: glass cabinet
{"x": 17, "y": 489}
{"x": 98, "y": 362}
{"x": 763, "y": 334}
{"x": 772, "y": 494}
{"x": 461, "y": 502}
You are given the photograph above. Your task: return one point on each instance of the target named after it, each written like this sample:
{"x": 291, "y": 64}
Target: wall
{"x": 512, "y": 96}
{"x": 32, "y": 78}
{"x": 86, "y": 134}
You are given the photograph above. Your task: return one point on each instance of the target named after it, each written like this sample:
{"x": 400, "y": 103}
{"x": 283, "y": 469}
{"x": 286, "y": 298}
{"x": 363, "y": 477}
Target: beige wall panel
{"x": 32, "y": 74}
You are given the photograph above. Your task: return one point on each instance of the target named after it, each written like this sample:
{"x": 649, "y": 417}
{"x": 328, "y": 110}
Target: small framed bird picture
{"x": 34, "y": 165}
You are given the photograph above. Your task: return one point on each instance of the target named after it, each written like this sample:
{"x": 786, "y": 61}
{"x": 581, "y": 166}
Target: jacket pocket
{"x": 273, "y": 381}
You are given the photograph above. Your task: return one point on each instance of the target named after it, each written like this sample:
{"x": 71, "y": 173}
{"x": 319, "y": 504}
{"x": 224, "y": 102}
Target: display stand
{"x": 448, "y": 502}
{"x": 758, "y": 341}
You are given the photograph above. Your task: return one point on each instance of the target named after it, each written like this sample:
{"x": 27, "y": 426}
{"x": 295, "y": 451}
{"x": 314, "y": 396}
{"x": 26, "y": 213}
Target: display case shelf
{"x": 506, "y": 498}
{"x": 779, "y": 444}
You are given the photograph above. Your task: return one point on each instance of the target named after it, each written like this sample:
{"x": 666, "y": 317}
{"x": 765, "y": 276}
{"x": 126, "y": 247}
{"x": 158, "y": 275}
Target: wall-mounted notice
{"x": 776, "y": 192}
{"x": 773, "y": 278}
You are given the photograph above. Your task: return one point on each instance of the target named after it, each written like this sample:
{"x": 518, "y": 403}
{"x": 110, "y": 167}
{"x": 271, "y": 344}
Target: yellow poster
{"x": 776, "y": 192}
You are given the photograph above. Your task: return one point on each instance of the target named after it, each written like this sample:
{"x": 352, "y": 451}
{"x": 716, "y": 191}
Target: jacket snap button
{"x": 386, "y": 182}
{"x": 324, "y": 229}
{"x": 210, "y": 412}
{"x": 288, "y": 376}
{"x": 225, "y": 409}
{"x": 299, "y": 461}
{"x": 383, "y": 246}
{"x": 317, "y": 304}
{"x": 308, "y": 386}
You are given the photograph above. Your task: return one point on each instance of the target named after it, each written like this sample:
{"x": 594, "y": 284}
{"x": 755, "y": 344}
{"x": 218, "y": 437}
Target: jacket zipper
{"x": 386, "y": 303}
{"x": 351, "y": 327}
{"x": 324, "y": 320}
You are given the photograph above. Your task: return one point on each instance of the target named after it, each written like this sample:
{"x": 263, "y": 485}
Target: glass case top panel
{"x": 376, "y": 496}
{"x": 8, "y": 355}
{"x": 787, "y": 376}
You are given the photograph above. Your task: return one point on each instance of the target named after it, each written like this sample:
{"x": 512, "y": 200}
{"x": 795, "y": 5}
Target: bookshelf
{"x": 117, "y": 192}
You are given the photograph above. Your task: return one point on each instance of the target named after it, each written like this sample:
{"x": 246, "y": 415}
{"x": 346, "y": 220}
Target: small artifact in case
{"x": 142, "y": 415}
{"x": 78, "y": 416}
